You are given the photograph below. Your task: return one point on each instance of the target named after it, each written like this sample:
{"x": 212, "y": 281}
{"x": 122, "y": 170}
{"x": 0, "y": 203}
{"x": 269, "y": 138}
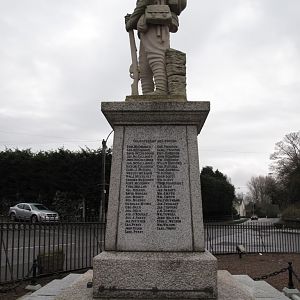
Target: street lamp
{"x": 103, "y": 184}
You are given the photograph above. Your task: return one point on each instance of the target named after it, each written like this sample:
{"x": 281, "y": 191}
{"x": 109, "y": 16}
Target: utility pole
{"x": 103, "y": 187}
{"x": 83, "y": 210}
{"x": 102, "y": 214}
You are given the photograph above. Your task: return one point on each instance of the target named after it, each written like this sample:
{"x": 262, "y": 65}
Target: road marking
{"x": 41, "y": 246}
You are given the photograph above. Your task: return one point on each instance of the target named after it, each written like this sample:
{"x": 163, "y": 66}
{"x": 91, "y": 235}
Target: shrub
{"x": 291, "y": 212}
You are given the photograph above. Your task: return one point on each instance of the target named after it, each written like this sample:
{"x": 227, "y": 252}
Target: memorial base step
{"x": 155, "y": 275}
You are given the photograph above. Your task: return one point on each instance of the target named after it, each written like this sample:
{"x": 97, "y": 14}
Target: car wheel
{"x": 12, "y": 217}
{"x": 34, "y": 219}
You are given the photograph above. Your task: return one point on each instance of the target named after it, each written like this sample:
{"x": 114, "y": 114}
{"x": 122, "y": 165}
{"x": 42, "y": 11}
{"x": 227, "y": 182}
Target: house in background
{"x": 240, "y": 207}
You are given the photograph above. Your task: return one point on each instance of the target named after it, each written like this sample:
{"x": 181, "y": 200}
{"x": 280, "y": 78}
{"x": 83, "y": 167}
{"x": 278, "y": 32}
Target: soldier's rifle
{"x": 134, "y": 68}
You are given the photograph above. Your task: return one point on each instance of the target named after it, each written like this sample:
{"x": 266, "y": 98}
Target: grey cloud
{"x": 60, "y": 59}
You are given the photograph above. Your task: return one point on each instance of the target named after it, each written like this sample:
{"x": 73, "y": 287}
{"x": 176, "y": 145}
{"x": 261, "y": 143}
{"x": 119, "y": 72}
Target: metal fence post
{"x": 34, "y": 267}
{"x": 290, "y": 269}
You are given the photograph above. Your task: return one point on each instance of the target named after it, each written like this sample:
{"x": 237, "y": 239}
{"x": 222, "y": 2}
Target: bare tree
{"x": 286, "y": 158}
{"x": 259, "y": 189}
{"x": 286, "y": 164}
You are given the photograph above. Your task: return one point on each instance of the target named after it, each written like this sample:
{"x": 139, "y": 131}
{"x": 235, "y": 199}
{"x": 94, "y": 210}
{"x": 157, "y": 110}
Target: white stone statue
{"x": 154, "y": 20}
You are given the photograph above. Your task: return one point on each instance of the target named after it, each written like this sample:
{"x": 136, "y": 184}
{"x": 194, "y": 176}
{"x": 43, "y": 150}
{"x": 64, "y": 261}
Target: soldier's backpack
{"x": 158, "y": 14}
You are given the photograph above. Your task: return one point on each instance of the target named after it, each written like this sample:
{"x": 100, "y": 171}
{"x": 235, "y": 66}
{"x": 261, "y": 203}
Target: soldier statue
{"x": 154, "y": 20}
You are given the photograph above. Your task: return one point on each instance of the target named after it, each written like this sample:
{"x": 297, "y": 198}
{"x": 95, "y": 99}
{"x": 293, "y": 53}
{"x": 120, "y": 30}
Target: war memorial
{"x": 154, "y": 238}
{"x": 154, "y": 246}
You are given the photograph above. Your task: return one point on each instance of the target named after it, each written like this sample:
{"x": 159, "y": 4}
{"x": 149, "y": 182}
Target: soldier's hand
{"x": 127, "y": 17}
{"x": 127, "y": 22}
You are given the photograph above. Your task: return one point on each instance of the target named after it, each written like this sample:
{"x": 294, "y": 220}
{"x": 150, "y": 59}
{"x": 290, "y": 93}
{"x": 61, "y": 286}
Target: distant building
{"x": 240, "y": 207}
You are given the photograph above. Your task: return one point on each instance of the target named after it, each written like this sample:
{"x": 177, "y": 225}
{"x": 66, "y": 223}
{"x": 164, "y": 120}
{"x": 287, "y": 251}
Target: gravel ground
{"x": 258, "y": 265}
{"x": 253, "y": 265}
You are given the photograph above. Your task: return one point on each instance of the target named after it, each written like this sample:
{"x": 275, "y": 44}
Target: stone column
{"x": 154, "y": 247}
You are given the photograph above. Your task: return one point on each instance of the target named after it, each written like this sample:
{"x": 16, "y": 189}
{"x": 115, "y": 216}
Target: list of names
{"x": 168, "y": 165}
{"x": 148, "y": 162}
{"x": 139, "y": 174}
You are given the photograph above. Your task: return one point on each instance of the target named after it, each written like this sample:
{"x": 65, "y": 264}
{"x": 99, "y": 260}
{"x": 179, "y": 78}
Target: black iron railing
{"x": 255, "y": 238}
{"x": 56, "y": 247}
{"x": 65, "y": 247}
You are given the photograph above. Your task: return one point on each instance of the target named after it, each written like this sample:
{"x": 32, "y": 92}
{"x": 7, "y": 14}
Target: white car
{"x": 34, "y": 212}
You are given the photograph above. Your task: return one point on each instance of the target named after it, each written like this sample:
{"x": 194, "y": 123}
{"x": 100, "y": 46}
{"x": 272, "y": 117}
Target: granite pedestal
{"x": 154, "y": 237}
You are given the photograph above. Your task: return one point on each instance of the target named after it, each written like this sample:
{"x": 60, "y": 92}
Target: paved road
{"x": 263, "y": 220}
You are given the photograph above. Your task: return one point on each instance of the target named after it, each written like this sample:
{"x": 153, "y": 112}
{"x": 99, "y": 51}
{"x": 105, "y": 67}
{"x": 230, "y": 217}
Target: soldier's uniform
{"x": 155, "y": 40}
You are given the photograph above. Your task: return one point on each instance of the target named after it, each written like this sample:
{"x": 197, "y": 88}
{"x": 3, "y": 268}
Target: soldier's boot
{"x": 147, "y": 82}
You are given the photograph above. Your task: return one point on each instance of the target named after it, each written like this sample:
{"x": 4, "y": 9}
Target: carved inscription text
{"x": 155, "y": 162}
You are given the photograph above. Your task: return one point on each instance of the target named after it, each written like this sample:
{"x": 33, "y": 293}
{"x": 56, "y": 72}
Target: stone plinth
{"x": 154, "y": 229}
{"x": 141, "y": 110}
{"x": 156, "y": 275}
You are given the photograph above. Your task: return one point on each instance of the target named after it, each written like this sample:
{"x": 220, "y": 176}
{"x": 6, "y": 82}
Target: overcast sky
{"x": 60, "y": 58}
